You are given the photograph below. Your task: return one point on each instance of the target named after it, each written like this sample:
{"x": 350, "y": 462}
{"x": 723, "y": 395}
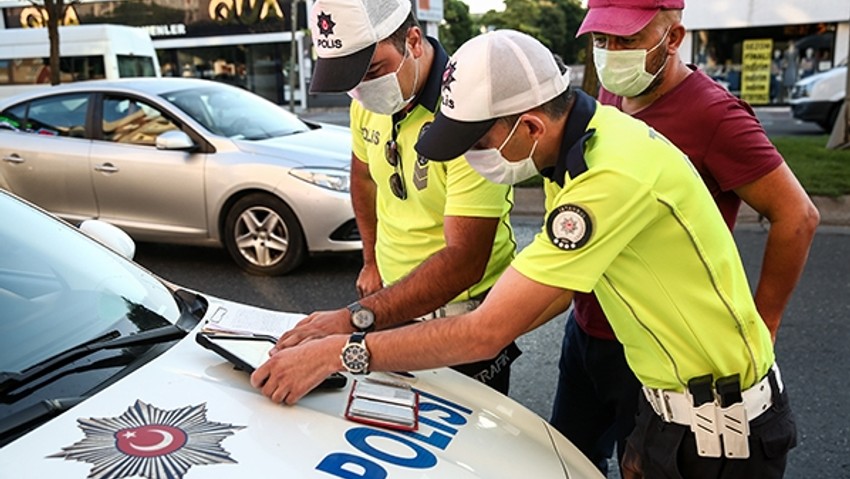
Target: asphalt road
{"x": 811, "y": 349}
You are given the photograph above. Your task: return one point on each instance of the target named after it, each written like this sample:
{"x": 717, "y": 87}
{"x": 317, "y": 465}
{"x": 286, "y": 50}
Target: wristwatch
{"x": 362, "y": 318}
{"x": 355, "y": 354}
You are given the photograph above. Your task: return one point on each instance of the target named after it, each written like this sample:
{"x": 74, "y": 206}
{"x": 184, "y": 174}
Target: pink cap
{"x": 623, "y": 17}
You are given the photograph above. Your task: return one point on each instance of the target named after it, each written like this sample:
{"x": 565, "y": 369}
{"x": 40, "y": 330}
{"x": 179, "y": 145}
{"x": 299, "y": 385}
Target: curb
{"x": 833, "y": 211}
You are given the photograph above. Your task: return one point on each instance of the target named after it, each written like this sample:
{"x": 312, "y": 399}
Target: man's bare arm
{"x": 793, "y": 219}
{"x": 509, "y": 310}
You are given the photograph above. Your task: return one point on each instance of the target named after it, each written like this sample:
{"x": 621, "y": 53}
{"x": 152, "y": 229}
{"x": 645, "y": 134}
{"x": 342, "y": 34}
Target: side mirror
{"x": 110, "y": 236}
{"x": 174, "y": 140}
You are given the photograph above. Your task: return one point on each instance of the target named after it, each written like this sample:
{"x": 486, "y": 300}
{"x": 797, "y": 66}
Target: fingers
{"x": 285, "y": 378}
{"x": 369, "y": 281}
{"x": 260, "y": 375}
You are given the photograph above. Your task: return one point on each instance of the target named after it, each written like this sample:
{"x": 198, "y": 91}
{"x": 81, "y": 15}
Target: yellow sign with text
{"x": 755, "y": 71}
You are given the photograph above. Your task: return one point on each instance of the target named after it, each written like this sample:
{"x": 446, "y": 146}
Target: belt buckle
{"x": 660, "y": 404}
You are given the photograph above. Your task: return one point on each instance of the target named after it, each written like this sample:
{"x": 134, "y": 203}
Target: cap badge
{"x": 326, "y": 24}
{"x": 448, "y": 79}
{"x": 326, "y": 27}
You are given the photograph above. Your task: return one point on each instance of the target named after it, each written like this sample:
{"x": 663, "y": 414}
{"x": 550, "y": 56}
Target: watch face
{"x": 355, "y": 357}
{"x": 362, "y": 319}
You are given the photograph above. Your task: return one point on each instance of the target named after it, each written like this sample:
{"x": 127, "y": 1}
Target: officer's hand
{"x": 369, "y": 280}
{"x": 293, "y": 372}
{"x": 317, "y": 325}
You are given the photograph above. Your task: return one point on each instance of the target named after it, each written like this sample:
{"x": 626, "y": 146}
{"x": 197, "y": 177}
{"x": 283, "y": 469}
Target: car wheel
{"x": 263, "y": 235}
{"x": 830, "y": 120}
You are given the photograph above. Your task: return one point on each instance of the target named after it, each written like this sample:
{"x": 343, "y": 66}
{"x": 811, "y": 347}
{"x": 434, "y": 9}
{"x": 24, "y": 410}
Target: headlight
{"x": 802, "y": 91}
{"x": 330, "y": 178}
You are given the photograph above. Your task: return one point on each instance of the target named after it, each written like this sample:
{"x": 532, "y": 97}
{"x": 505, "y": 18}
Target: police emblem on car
{"x": 151, "y": 442}
{"x": 569, "y": 227}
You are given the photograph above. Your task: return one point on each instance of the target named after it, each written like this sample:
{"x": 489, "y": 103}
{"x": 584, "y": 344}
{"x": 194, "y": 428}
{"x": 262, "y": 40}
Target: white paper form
{"x": 244, "y": 319}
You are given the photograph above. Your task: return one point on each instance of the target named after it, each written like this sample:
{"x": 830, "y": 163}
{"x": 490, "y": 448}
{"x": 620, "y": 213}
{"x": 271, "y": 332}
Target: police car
{"x": 101, "y": 376}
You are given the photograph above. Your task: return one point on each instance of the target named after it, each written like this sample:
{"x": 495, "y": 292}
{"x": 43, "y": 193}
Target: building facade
{"x": 248, "y": 43}
{"x": 759, "y": 48}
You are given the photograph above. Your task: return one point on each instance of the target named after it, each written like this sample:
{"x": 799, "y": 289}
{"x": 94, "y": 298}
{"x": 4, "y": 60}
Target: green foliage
{"x": 822, "y": 172}
{"x": 553, "y": 22}
{"x": 457, "y": 26}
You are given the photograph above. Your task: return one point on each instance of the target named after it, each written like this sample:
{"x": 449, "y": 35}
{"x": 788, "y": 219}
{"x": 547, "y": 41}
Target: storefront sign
{"x": 755, "y": 71}
{"x": 163, "y": 19}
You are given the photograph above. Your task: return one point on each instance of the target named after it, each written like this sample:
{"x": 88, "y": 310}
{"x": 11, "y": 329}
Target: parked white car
{"x": 181, "y": 160}
{"x": 101, "y": 376}
{"x": 819, "y": 97}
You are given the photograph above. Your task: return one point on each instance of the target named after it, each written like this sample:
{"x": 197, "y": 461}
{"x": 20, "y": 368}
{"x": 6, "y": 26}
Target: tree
{"x": 54, "y": 11}
{"x": 457, "y": 26}
{"x": 839, "y": 139}
{"x": 553, "y": 22}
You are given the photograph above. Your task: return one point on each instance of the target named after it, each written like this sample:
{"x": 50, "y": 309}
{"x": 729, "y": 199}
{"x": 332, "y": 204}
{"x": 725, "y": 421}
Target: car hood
{"x": 327, "y": 146}
{"x": 832, "y": 74}
{"x": 189, "y": 410}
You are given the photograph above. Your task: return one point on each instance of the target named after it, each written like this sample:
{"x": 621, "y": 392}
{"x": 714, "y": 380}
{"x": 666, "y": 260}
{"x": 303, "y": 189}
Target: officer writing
{"x": 435, "y": 235}
{"x": 627, "y": 217}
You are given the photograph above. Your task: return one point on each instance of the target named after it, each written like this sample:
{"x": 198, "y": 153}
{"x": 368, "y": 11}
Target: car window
{"x": 61, "y": 115}
{"x": 14, "y": 118}
{"x": 59, "y": 289}
{"x": 236, "y": 113}
{"x": 128, "y": 120}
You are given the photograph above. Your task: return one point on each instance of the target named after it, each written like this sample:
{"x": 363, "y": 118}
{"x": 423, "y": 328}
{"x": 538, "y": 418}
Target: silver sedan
{"x": 180, "y": 160}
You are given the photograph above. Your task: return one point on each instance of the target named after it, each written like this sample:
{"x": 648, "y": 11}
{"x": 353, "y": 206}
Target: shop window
{"x": 766, "y": 60}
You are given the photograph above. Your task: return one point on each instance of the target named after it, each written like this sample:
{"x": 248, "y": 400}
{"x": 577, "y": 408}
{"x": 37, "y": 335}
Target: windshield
{"x": 235, "y": 113}
{"x": 59, "y": 289}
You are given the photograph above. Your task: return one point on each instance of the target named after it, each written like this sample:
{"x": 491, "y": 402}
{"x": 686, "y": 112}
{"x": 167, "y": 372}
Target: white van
{"x": 819, "y": 97}
{"x": 87, "y": 52}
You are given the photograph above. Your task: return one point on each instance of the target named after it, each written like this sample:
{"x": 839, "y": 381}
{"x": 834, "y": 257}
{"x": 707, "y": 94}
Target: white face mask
{"x": 383, "y": 95}
{"x": 623, "y": 72}
{"x": 490, "y": 163}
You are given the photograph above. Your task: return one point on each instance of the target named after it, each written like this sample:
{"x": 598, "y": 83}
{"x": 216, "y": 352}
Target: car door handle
{"x": 106, "y": 168}
{"x": 13, "y": 159}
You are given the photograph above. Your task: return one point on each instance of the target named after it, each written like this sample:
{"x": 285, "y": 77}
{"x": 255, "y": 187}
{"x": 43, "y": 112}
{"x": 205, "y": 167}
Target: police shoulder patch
{"x": 569, "y": 227}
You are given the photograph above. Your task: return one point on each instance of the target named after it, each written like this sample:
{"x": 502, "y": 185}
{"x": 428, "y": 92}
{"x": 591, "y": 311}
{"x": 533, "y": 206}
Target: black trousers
{"x": 666, "y": 450}
{"x": 597, "y": 395}
{"x": 495, "y": 372}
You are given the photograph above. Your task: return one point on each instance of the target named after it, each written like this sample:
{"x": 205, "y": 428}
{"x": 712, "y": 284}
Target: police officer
{"x": 436, "y": 234}
{"x": 636, "y": 52}
{"x": 627, "y": 217}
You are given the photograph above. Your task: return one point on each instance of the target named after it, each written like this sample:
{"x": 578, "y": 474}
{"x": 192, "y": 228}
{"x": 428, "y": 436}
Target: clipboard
{"x": 383, "y": 405}
{"x": 248, "y": 352}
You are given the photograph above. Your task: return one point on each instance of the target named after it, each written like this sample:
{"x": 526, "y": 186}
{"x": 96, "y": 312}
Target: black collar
{"x": 571, "y": 155}
{"x": 429, "y": 97}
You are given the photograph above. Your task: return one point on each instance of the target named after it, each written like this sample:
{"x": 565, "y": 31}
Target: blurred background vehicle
{"x": 87, "y": 52}
{"x": 181, "y": 160}
{"x": 818, "y": 98}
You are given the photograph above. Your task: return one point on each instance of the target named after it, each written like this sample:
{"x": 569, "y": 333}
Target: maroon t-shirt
{"x": 725, "y": 142}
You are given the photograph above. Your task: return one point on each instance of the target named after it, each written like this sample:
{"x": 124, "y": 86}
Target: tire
{"x": 263, "y": 236}
{"x": 830, "y": 120}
